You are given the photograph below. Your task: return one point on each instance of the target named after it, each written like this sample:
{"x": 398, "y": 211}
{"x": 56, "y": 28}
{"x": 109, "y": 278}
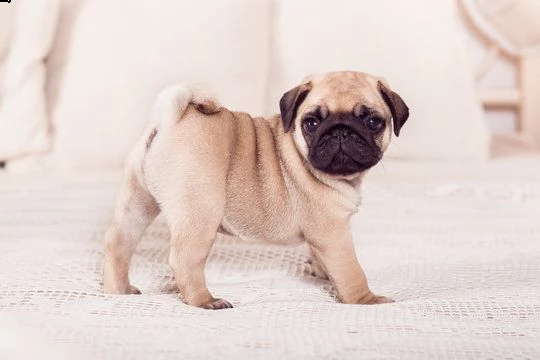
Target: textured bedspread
{"x": 461, "y": 258}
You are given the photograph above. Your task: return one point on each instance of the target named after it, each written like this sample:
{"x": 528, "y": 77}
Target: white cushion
{"x": 24, "y": 123}
{"x": 123, "y": 52}
{"x": 6, "y": 22}
{"x": 1, "y": 78}
{"x": 420, "y": 52}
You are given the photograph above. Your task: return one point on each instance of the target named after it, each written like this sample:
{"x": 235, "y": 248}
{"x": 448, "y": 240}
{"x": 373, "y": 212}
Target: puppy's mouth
{"x": 343, "y": 151}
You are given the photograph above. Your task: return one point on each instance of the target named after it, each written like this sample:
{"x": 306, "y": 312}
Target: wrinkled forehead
{"x": 342, "y": 92}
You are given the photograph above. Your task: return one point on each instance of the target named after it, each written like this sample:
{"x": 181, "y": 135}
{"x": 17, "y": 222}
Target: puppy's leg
{"x": 135, "y": 210}
{"x": 337, "y": 255}
{"x": 194, "y": 220}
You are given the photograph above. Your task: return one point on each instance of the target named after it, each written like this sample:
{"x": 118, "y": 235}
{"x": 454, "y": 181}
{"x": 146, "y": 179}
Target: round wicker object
{"x": 514, "y": 25}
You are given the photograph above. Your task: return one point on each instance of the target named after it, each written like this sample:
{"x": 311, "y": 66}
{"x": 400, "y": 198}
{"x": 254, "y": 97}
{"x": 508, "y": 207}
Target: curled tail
{"x": 171, "y": 104}
{"x": 169, "y": 107}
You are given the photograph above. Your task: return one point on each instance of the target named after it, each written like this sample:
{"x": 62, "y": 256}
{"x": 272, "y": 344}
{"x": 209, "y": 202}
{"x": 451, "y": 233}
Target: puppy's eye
{"x": 310, "y": 124}
{"x": 374, "y": 124}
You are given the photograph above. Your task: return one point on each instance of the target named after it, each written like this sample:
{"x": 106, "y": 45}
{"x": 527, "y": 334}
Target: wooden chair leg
{"x": 529, "y": 119}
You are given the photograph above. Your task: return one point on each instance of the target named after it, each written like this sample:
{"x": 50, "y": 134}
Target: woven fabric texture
{"x": 462, "y": 260}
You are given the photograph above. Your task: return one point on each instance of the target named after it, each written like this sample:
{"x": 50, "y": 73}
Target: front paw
{"x": 372, "y": 299}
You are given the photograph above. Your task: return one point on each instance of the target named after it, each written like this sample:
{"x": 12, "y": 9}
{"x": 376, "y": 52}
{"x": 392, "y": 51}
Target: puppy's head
{"x": 342, "y": 122}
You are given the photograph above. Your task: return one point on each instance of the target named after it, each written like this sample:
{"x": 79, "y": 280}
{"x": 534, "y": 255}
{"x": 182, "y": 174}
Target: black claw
{"x": 217, "y": 304}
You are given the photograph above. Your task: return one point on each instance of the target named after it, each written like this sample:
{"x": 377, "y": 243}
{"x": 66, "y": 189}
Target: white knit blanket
{"x": 462, "y": 260}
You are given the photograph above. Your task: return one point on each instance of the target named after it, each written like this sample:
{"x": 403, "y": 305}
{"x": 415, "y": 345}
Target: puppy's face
{"x": 342, "y": 122}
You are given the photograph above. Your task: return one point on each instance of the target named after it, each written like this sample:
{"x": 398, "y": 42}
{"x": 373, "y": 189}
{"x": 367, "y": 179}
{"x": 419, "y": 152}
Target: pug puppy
{"x": 288, "y": 179}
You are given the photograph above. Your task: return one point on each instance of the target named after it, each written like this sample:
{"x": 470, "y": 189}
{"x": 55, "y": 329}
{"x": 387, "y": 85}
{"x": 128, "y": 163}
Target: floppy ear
{"x": 398, "y": 108}
{"x": 290, "y": 102}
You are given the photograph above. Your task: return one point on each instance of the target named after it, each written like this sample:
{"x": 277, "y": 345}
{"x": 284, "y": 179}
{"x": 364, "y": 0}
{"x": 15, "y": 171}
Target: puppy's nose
{"x": 341, "y": 132}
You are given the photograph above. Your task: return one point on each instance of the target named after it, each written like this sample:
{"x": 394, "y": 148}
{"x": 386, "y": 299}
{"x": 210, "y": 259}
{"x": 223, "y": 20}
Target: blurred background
{"x": 78, "y": 77}
{"x": 449, "y": 222}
